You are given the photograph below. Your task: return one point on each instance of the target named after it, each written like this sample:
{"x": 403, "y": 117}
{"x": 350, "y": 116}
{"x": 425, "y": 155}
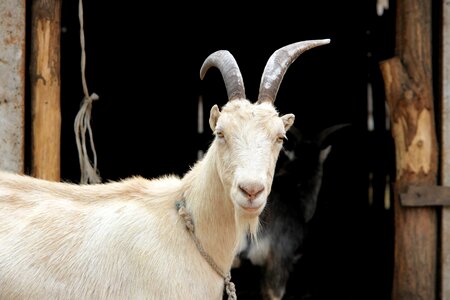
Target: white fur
{"x": 125, "y": 240}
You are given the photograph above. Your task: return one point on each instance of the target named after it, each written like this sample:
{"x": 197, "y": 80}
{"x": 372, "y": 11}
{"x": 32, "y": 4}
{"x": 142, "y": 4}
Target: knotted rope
{"x": 89, "y": 172}
{"x": 229, "y": 286}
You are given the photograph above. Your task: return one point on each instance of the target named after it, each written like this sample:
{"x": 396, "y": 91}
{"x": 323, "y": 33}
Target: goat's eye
{"x": 281, "y": 138}
{"x": 220, "y": 134}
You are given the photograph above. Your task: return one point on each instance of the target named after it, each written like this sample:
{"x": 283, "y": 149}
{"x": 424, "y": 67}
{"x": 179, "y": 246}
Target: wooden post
{"x": 445, "y": 153}
{"x": 12, "y": 84}
{"x": 408, "y": 86}
{"x": 45, "y": 88}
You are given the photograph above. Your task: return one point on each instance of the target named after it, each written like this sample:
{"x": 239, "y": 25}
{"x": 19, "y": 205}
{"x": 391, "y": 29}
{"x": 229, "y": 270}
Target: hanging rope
{"x": 89, "y": 172}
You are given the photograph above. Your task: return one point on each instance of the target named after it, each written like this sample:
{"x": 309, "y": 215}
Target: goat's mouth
{"x": 252, "y": 210}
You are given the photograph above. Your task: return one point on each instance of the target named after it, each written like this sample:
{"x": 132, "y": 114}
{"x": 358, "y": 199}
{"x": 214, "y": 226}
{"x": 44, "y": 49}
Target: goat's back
{"x": 120, "y": 240}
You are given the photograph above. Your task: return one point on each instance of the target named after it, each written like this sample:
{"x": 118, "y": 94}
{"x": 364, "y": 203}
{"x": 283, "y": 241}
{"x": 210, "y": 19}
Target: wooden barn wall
{"x": 445, "y": 154}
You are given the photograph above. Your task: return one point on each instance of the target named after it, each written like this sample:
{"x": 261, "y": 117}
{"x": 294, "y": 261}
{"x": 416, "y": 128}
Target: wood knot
{"x": 419, "y": 143}
{"x": 409, "y": 94}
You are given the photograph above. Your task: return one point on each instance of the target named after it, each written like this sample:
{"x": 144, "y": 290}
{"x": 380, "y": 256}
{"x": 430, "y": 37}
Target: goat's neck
{"x": 212, "y": 211}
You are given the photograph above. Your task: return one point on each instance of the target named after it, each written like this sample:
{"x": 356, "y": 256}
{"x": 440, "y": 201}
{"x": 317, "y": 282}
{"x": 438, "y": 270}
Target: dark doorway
{"x": 143, "y": 60}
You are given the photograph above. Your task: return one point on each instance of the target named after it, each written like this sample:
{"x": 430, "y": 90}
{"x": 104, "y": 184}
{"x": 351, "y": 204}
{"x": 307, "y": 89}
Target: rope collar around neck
{"x": 229, "y": 286}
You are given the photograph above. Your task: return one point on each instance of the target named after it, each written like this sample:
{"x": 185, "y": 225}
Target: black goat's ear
{"x": 214, "y": 116}
{"x": 324, "y": 154}
{"x": 324, "y": 137}
{"x": 309, "y": 205}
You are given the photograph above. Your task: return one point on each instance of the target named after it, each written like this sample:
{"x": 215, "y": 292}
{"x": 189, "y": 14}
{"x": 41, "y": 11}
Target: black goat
{"x": 291, "y": 205}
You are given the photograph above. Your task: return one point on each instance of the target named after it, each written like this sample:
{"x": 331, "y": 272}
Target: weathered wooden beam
{"x": 12, "y": 84}
{"x": 409, "y": 94}
{"x": 426, "y": 195}
{"x": 445, "y": 153}
{"x": 45, "y": 88}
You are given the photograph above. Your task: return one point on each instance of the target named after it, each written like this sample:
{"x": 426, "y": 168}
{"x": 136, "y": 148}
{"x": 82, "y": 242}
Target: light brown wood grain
{"x": 409, "y": 94}
{"x": 45, "y": 88}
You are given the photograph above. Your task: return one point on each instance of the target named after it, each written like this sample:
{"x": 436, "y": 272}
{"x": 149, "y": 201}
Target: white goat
{"x": 126, "y": 240}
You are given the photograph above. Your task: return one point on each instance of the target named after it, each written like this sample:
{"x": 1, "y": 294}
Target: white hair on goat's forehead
{"x": 239, "y": 115}
{"x": 244, "y": 108}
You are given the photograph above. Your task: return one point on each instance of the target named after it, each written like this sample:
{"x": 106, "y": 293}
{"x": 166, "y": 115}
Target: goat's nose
{"x": 251, "y": 189}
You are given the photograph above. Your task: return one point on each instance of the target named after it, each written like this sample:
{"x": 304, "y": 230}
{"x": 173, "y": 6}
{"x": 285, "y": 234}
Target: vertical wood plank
{"x": 445, "y": 154}
{"x": 12, "y": 84}
{"x": 409, "y": 93}
{"x": 45, "y": 88}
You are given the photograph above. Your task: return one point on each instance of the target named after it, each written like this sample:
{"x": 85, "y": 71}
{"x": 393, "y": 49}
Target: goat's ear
{"x": 324, "y": 153}
{"x": 213, "y": 116}
{"x": 288, "y": 120}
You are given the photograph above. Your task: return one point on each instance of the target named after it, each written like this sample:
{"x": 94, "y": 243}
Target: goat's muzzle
{"x": 251, "y": 197}
{"x": 251, "y": 190}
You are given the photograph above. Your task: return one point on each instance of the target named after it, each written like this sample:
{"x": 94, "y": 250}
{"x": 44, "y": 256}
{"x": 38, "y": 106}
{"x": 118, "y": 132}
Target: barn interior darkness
{"x": 143, "y": 61}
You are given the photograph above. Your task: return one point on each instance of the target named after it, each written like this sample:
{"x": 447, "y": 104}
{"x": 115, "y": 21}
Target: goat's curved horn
{"x": 277, "y": 65}
{"x": 228, "y": 67}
